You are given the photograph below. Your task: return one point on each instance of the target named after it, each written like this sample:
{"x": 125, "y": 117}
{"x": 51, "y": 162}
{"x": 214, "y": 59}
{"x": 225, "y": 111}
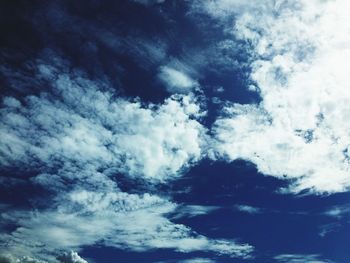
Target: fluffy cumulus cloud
{"x": 76, "y": 140}
{"x": 299, "y": 58}
{"x": 9, "y": 258}
{"x": 71, "y": 257}
{"x": 80, "y": 123}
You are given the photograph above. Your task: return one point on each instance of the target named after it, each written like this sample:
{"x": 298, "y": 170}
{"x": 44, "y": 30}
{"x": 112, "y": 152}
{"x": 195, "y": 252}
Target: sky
{"x": 164, "y": 131}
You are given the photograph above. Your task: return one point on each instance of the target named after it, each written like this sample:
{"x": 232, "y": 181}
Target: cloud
{"x": 197, "y": 260}
{"x": 338, "y": 211}
{"x": 191, "y": 260}
{"x": 193, "y": 210}
{"x": 121, "y": 220}
{"x": 101, "y": 130}
{"x": 329, "y": 228}
{"x": 148, "y": 2}
{"x": 80, "y": 142}
{"x": 299, "y": 52}
{"x": 175, "y": 80}
{"x": 72, "y": 257}
{"x": 296, "y": 258}
{"x": 248, "y": 209}
{"x": 227, "y": 10}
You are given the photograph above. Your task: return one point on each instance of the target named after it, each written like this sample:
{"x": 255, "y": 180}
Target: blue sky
{"x": 174, "y": 131}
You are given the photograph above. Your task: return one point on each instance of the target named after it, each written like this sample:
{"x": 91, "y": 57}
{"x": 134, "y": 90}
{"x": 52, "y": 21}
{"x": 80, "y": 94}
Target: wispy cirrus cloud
{"x": 298, "y": 258}
{"x": 194, "y": 210}
{"x": 338, "y": 211}
{"x": 190, "y": 260}
{"x": 326, "y": 229}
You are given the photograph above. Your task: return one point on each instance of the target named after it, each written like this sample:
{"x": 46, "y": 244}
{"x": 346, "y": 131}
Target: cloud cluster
{"x": 71, "y": 257}
{"x": 79, "y": 141}
{"x": 76, "y": 139}
{"x": 90, "y": 127}
{"x": 299, "y": 55}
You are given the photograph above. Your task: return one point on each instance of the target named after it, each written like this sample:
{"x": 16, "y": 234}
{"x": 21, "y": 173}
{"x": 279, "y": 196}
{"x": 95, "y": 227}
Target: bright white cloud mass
{"x": 299, "y": 59}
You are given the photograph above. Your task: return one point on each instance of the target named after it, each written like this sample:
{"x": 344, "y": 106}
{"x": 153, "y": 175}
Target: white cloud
{"x": 191, "y": 260}
{"x": 326, "y": 229}
{"x": 115, "y": 219}
{"x": 149, "y": 2}
{"x": 8, "y": 258}
{"x": 248, "y": 209}
{"x": 71, "y": 257}
{"x": 298, "y": 258}
{"x": 194, "y": 210}
{"x": 78, "y": 139}
{"x": 176, "y": 81}
{"x": 338, "y": 211}
{"x": 227, "y": 10}
{"x": 299, "y": 59}
{"x": 153, "y": 141}
{"x": 197, "y": 260}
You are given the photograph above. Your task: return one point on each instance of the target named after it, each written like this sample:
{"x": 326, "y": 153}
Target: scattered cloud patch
{"x": 338, "y": 211}
{"x": 176, "y": 81}
{"x": 295, "y": 258}
{"x": 326, "y": 229}
{"x": 248, "y": 209}
{"x": 149, "y": 2}
{"x": 191, "y": 260}
{"x": 197, "y": 260}
{"x": 194, "y": 210}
